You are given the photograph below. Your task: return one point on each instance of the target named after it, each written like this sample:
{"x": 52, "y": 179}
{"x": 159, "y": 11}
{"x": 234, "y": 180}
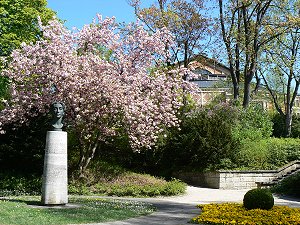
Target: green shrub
{"x": 173, "y": 187}
{"x": 103, "y": 178}
{"x": 270, "y": 153}
{"x": 211, "y": 137}
{"x": 252, "y": 123}
{"x": 204, "y": 140}
{"x": 283, "y": 150}
{"x": 289, "y": 186}
{"x": 252, "y": 155}
{"x": 279, "y": 126}
{"x": 122, "y": 188}
{"x": 296, "y": 127}
{"x": 258, "y": 199}
{"x": 22, "y": 146}
{"x": 79, "y": 189}
{"x": 19, "y": 184}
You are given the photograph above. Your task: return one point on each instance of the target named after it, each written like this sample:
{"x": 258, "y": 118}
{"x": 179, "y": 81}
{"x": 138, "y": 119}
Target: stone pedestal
{"x": 55, "y": 174}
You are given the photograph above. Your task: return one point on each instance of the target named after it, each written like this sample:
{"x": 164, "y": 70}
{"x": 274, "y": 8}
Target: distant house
{"x": 212, "y": 78}
{"x": 214, "y": 81}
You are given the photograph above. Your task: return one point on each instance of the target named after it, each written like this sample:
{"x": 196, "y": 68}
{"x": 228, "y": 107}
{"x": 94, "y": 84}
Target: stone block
{"x": 55, "y": 173}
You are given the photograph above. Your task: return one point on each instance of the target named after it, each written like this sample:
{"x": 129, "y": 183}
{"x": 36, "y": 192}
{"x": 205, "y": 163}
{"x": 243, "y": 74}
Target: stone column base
{"x": 55, "y": 174}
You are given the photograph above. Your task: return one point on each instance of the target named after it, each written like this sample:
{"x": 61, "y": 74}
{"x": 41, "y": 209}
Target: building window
{"x": 201, "y": 71}
{"x": 202, "y": 74}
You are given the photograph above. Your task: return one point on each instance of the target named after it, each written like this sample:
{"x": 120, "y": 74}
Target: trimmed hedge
{"x": 258, "y": 199}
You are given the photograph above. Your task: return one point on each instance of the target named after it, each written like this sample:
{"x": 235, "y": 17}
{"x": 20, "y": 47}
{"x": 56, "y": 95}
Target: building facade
{"x": 212, "y": 79}
{"x": 214, "y": 82}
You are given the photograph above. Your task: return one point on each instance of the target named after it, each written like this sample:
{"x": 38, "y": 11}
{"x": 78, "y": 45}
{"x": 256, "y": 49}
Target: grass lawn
{"x": 20, "y": 210}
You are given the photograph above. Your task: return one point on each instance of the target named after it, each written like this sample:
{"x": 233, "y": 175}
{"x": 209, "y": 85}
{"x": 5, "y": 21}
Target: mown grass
{"x": 20, "y": 210}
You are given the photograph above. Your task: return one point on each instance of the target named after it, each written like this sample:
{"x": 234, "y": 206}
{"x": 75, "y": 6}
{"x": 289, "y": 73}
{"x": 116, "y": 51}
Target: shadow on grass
{"x": 38, "y": 204}
{"x": 27, "y": 202}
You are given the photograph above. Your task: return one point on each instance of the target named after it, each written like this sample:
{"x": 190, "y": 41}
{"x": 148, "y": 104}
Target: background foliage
{"x": 20, "y": 23}
{"x": 211, "y": 138}
{"x": 220, "y": 136}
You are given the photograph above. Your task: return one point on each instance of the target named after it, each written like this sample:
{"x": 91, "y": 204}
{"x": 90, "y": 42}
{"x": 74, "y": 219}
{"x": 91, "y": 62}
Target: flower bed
{"x": 234, "y": 213}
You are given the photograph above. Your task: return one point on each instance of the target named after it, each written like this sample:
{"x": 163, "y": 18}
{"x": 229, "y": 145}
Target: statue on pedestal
{"x": 55, "y": 174}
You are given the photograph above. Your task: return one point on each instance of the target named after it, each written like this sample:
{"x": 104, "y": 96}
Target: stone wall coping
{"x": 247, "y": 171}
{"x": 296, "y": 162}
{"x": 236, "y": 179}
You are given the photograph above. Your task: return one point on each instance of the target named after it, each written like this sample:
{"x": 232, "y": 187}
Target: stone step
{"x": 278, "y": 179}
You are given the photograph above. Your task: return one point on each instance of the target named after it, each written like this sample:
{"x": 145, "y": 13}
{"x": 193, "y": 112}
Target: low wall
{"x": 228, "y": 179}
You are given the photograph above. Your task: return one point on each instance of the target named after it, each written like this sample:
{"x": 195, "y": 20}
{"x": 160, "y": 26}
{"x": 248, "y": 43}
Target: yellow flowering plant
{"x": 235, "y": 213}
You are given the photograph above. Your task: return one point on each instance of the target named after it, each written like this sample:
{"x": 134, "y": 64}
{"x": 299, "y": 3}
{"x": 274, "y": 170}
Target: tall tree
{"x": 106, "y": 79}
{"x": 19, "y": 23}
{"x": 185, "y": 20}
{"x": 231, "y": 33}
{"x": 282, "y": 65}
{"x": 247, "y": 26}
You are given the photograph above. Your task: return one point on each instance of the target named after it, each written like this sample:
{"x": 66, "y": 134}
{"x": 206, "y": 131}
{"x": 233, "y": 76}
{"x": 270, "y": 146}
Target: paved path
{"x": 180, "y": 209}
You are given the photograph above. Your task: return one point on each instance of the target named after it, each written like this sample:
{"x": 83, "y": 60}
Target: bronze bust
{"x": 58, "y": 111}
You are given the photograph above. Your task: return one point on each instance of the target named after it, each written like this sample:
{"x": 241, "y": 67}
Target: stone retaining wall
{"x": 228, "y": 179}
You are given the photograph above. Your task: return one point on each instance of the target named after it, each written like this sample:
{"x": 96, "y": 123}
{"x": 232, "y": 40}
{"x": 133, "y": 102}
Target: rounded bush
{"x": 258, "y": 199}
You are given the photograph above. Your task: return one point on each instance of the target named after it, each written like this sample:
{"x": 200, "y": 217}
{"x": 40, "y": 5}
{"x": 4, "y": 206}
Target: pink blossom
{"x": 103, "y": 76}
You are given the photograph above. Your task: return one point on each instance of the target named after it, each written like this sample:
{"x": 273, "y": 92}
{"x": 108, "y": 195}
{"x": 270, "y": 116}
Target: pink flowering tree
{"x": 110, "y": 79}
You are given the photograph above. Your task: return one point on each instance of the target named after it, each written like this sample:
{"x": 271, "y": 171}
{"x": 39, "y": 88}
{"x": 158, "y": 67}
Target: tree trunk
{"x": 237, "y": 75}
{"x": 247, "y": 93}
{"x": 233, "y": 53}
{"x": 186, "y": 49}
{"x": 86, "y": 158}
{"x": 236, "y": 88}
{"x": 288, "y": 123}
{"x": 235, "y": 78}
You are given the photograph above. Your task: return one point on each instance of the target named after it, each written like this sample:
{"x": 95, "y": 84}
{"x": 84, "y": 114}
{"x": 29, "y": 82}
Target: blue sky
{"x": 80, "y": 12}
